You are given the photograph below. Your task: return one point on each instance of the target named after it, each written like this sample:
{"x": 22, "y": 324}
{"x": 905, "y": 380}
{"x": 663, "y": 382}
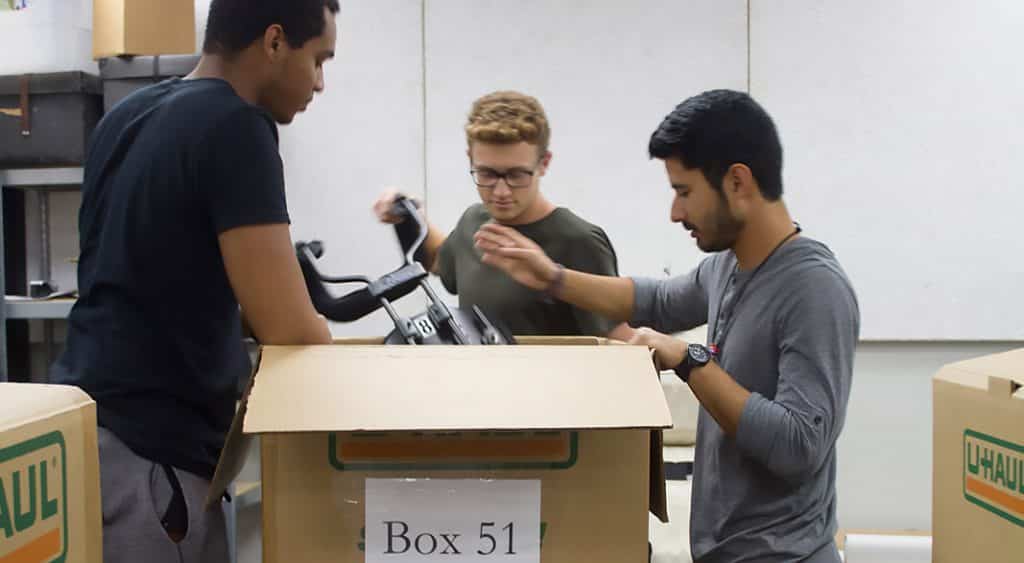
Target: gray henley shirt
{"x": 767, "y": 494}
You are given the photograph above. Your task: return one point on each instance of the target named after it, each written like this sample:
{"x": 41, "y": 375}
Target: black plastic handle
{"x": 350, "y": 307}
{"x": 410, "y": 233}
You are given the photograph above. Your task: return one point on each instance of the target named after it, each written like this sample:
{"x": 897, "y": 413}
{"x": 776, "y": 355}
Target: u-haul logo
{"x": 33, "y": 501}
{"x": 994, "y": 475}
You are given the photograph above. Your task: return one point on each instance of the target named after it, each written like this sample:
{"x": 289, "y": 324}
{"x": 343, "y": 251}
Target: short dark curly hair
{"x": 233, "y": 25}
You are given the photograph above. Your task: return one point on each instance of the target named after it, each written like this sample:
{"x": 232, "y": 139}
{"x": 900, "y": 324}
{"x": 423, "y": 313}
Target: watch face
{"x": 699, "y": 353}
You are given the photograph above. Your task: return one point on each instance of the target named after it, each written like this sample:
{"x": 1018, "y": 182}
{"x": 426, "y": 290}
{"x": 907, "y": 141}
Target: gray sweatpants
{"x": 136, "y": 493}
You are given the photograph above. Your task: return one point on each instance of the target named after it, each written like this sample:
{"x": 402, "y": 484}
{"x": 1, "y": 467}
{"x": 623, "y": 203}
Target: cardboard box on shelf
{"x": 143, "y": 27}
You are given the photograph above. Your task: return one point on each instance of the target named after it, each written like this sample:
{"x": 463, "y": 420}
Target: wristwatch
{"x": 696, "y": 356}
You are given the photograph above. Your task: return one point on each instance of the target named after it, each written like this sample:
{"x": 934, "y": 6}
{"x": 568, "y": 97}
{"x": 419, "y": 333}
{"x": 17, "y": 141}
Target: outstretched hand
{"x": 510, "y": 251}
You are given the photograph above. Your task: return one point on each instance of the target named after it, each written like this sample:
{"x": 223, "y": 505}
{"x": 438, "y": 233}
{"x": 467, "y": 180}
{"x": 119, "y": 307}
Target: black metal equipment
{"x": 439, "y": 324}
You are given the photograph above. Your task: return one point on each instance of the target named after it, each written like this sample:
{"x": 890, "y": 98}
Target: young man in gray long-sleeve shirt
{"x": 783, "y": 323}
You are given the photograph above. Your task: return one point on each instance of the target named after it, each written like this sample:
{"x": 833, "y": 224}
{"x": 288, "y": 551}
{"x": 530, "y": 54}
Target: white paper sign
{"x": 459, "y": 520}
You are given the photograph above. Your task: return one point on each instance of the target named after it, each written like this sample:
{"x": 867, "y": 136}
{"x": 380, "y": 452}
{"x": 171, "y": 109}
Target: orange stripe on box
{"x": 43, "y": 548}
{"x": 471, "y": 448}
{"x": 990, "y": 493}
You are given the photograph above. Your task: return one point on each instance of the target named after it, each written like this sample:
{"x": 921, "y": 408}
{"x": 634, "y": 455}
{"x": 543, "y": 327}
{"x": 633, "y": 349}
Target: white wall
{"x": 364, "y": 132}
{"x": 900, "y": 123}
{"x": 48, "y": 36}
{"x": 607, "y": 73}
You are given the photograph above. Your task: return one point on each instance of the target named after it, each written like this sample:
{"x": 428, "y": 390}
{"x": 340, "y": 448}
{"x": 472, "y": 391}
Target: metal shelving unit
{"x": 44, "y": 181}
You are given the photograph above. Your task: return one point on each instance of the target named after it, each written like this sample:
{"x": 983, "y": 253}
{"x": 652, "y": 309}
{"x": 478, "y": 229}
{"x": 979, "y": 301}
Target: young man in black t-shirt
{"x": 184, "y": 222}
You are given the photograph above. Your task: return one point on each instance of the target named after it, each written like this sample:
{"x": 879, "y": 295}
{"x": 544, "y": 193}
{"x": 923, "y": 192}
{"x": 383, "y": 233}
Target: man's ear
{"x": 274, "y": 41}
{"x": 739, "y": 182}
{"x": 545, "y": 161}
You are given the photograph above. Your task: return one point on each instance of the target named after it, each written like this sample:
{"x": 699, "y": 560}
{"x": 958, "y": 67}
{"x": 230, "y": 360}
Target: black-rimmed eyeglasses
{"x": 514, "y": 178}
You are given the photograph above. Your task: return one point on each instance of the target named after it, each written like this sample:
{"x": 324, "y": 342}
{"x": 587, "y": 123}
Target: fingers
{"x": 489, "y": 241}
{"x": 506, "y": 235}
{"x": 514, "y": 253}
{"x": 641, "y": 338}
{"x": 387, "y": 197}
{"x": 504, "y": 258}
{"x": 649, "y": 337}
{"x": 382, "y": 207}
{"x": 493, "y": 259}
{"x": 492, "y": 237}
{"x": 496, "y": 228}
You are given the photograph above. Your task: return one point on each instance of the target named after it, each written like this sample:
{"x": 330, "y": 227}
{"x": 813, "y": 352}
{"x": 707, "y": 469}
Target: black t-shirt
{"x": 155, "y": 337}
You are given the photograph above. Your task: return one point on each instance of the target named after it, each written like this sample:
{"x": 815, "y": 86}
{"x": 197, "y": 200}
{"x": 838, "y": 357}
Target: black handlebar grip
{"x": 351, "y": 307}
{"x": 348, "y": 308}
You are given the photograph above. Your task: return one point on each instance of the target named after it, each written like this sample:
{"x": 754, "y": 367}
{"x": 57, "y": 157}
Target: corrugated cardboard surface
{"x": 49, "y": 430}
{"x": 593, "y": 511}
{"x": 143, "y": 27}
{"x": 23, "y": 403}
{"x": 608, "y": 397}
{"x": 978, "y": 511}
{"x": 324, "y": 388}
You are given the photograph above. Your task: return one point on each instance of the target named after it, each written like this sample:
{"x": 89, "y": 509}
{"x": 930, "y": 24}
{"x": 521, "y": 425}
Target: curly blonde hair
{"x": 508, "y": 117}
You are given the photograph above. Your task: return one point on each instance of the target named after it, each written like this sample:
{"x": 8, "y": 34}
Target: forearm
{"x": 786, "y": 442}
{"x": 610, "y": 297}
{"x": 431, "y": 246}
{"x": 268, "y": 283}
{"x": 720, "y": 395}
{"x": 301, "y": 330}
{"x": 668, "y": 305}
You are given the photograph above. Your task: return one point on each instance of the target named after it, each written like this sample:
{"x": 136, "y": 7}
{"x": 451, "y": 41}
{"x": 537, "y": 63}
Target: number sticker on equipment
{"x": 462, "y": 520}
{"x": 425, "y": 326}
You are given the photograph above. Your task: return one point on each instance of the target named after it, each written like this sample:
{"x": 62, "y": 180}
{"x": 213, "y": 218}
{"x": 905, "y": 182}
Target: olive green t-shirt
{"x": 566, "y": 238}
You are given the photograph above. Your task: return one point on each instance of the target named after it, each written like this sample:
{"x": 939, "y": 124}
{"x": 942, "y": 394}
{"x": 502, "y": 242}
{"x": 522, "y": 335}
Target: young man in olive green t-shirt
{"x": 508, "y": 136}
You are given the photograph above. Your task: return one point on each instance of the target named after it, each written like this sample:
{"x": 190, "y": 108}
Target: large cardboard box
{"x": 49, "y": 475}
{"x": 548, "y": 451}
{"x": 978, "y": 485}
{"x": 143, "y": 27}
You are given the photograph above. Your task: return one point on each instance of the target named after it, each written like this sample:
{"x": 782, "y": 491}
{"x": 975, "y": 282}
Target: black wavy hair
{"x": 718, "y": 128}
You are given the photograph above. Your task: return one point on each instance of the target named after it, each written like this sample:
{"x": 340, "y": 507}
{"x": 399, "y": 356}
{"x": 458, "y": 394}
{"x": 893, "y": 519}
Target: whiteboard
{"x": 607, "y": 73}
{"x": 902, "y": 127}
